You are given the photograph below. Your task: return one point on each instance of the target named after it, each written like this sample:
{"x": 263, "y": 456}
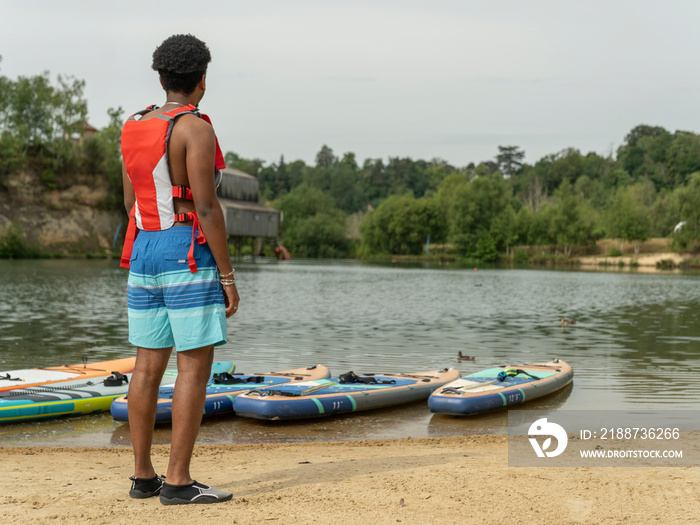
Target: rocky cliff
{"x": 70, "y": 220}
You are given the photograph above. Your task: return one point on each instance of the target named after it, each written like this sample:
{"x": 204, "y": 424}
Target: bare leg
{"x": 193, "y": 371}
{"x": 142, "y": 399}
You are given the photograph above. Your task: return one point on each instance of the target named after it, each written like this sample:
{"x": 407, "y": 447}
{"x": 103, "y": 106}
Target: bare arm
{"x": 200, "y": 148}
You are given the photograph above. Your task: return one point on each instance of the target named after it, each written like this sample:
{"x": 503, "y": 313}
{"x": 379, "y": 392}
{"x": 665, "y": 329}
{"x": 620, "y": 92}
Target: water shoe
{"x": 192, "y": 493}
{"x": 146, "y": 487}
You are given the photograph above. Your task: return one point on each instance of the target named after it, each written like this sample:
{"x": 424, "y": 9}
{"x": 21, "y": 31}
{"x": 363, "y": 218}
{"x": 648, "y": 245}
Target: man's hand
{"x": 231, "y": 299}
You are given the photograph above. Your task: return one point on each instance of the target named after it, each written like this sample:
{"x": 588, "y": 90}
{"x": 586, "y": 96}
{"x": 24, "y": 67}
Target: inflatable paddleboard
{"x": 500, "y": 387}
{"x": 11, "y": 379}
{"x": 76, "y": 397}
{"x": 223, "y": 389}
{"x": 346, "y": 393}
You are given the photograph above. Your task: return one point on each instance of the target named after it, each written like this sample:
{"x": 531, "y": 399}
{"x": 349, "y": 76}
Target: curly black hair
{"x": 181, "y": 60}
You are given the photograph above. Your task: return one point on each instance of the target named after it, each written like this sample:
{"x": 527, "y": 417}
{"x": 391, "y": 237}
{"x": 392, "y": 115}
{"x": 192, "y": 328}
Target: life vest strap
{"x": 197, "y": 235}
{"x": 182, "y": 192}
{"x": 185, "y": 217}
{"x": 131, "y": 232}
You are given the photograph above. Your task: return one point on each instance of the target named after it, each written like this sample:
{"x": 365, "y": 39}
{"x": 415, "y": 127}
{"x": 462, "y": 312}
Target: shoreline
{"x": 428, "y": 480}
{"x": 644, "y": 262}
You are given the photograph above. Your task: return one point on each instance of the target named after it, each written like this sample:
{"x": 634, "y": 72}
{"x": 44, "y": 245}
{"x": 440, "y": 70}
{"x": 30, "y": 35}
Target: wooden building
{"x": 246, "y": 219}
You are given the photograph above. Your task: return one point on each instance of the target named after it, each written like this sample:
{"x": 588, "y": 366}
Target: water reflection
{"x": 634, "y": 345}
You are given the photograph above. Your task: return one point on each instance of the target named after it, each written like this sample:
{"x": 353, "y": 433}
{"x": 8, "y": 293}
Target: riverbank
{"x": 642, "y": 263}
{"x": 440, "y": 480}
{"x": 653, "y": 255}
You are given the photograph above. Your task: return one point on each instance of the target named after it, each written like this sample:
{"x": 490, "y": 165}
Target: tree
{"x": 101, "y": 156}
{"x": 325, "y": 157}
{"x": 373, "y": 181}
{"x": 688, "y": 197}
{"x": 405, "y": 174}
{"x": 312, "y": 226}
{"x": 683, "y": 156}
{"x": 541, "y": 232}
{"x": 251, "y": 167}
{"x": 532, "y": 190}
{"x": 485, "y": 249}
{"x": 401, "y": 225}
{"x": 39, "y": 119}
{"x": 628, "y": 217}
{"x": 345, "y": 185}
{"x": 504, "y": 230}
{"x": 640, "y": 131}
{"x": 40, "y": 113}
{"x": 509, "y": 159}
{"x": 473, "y": 207}
{"x": 322, "y": 235}
{"x": 569, "y": 226}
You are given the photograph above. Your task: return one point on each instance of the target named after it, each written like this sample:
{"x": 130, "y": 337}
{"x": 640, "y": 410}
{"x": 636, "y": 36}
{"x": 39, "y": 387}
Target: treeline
{"x": 567, "y": 200}
{"x": 42, "y": 127}
{"x": 563, "y": 201}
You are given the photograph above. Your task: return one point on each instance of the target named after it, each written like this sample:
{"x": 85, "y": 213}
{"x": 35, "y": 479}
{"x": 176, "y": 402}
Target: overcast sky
{"x": 423, "y": 79}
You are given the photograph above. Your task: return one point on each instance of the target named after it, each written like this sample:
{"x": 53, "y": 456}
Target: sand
{"x": 453, "y": 480}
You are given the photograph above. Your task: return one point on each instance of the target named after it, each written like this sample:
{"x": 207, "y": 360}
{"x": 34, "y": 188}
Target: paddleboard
{"x": 76, "y": 397}
{"x": 31, "y": 377}
{"x": 222, "y": 390}
{"x": 325, "y": 397}
{"x": 485, "y": 391}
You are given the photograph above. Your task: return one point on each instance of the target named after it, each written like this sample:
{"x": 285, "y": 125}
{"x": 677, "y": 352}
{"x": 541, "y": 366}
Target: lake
{"x": 635, "y": 344}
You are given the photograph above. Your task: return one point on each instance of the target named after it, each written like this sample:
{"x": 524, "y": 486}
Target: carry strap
{"x": 224, "y": 378}
{"x": 512, "y": 372}
{"x": 116, "y": 379}
{"x": 352, "y": 377}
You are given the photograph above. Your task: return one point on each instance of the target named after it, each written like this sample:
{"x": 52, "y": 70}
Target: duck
{"x": 465, "y": 357}
{"x": 567, "y": 322}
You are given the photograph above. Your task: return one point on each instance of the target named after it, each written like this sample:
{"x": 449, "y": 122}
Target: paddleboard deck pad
{"x": 76, "y": 397}
{"x": 325, "y": 397}
{"x": 500, "y": 387}
{"x": 31, "y": 377}
{"x": 223, "y": 389}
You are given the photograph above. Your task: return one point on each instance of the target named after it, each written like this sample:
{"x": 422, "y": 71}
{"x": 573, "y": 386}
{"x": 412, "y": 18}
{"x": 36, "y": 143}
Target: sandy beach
{"x": 645, "y": 262}
{"x": 415, "y": 481}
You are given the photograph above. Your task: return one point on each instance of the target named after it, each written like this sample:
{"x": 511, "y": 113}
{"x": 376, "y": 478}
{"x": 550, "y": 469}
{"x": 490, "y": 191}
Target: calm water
{"x": 635, "y": 344}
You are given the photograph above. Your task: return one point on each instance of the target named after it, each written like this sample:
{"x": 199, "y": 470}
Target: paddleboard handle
{"x": 116, "y": 379}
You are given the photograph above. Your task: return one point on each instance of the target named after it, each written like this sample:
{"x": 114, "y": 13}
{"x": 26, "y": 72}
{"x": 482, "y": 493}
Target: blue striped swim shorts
{"x": 168, "y": 305}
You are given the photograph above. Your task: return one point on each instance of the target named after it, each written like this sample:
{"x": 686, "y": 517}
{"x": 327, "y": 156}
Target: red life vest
{"x": 145, "y": 152}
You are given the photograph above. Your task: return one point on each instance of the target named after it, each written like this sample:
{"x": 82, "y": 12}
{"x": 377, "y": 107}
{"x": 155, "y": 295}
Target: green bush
{"x": 520, "y": 256}
{"x": 94, "y": 155}
{"x": 665, "y": 264}
{"x": 48, "y": 177}
{"x": 11, "y": 154}
{"x": 614, "y": 252}
{"x": 13, "y": 244}
{"x": 485, "y": 248}
{"x": 312, "y": 226}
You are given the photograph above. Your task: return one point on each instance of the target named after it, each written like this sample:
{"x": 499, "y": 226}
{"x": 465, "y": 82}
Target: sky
{"x": 448, "y": 79}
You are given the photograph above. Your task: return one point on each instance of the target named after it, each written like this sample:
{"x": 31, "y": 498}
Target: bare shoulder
{"x": 193, "y": 127}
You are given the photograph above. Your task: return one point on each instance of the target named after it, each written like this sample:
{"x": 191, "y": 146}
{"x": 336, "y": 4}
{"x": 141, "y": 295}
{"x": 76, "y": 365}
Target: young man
{"x": 179, "y": 266}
